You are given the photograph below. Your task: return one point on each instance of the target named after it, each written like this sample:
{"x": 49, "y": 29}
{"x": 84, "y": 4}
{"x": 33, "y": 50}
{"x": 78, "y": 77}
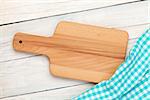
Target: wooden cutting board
{"x": 78, "y": 51}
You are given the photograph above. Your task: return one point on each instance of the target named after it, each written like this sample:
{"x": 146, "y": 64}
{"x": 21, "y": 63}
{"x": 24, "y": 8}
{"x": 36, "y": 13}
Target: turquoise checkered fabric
{"x": 131, "y": 81}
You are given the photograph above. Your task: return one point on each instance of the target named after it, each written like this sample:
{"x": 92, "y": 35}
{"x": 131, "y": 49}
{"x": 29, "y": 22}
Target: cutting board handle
{"x": 30, "y": 43}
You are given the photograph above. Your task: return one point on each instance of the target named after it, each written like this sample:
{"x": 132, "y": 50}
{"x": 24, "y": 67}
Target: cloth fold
{"x": 131, "y": 81}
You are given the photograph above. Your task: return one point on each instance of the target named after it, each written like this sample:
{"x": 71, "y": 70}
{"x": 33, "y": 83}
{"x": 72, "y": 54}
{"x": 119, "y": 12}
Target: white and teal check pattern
{"x": 131, "y": 81}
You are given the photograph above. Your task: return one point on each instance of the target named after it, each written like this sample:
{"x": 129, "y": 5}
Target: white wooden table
{"x": 26, "y": 76}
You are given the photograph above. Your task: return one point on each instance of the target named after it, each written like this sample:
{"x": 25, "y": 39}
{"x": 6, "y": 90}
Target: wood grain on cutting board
{"x": 78, "y": 51}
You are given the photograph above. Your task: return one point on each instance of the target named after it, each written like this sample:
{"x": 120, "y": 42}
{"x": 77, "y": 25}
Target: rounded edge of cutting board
{"x": 78, "y": 74}
{"x": 59, "y": 26}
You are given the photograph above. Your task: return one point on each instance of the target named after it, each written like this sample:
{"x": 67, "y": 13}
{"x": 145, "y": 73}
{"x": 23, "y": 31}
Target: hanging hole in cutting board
{"x": 20, "y": 41}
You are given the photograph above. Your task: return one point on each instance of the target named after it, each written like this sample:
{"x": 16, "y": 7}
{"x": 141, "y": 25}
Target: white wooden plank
{"x": 29, "y": 75}
{"x": 18, "y": 10}
{"x": 59, "y": 94}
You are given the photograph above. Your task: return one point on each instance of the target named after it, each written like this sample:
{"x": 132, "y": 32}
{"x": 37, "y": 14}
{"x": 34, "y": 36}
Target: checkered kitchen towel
{"x": 131, "y": 81}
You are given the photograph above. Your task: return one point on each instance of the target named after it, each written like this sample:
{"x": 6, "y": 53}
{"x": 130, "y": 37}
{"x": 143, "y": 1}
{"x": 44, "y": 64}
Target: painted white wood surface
{"x": 59, "y": 94}
{"x": 22, "y": 73}
{"x": 18, "y": 10}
